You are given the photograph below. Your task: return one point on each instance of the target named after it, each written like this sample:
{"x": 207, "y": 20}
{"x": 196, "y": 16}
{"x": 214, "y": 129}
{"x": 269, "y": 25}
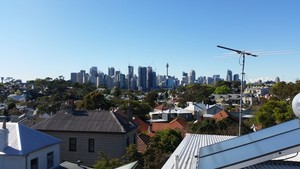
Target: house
{"x": 142, "y": 126}
{"x": 220, "y": 116}
{"x": 85, "y": 133}
{"x": 170, "y": 114}
{"x": 211, "y": 111}
{"x": 197, "y": 109}
{"x": 176, "y": 124}
{"x": 23, "y": 147}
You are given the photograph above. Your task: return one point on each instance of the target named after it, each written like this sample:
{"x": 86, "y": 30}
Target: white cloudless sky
{"x": 40, "y": 39}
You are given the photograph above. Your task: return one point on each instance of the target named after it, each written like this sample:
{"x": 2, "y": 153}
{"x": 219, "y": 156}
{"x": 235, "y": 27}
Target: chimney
{"x": 3, "y": 136}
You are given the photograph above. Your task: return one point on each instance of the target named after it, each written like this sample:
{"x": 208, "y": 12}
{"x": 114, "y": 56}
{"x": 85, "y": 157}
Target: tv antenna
{"x": 243, "y": 54}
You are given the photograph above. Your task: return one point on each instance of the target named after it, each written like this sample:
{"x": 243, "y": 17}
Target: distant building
{"x": 74, "y": 77}
{"x": 184, "y": 80}
{"x": 192, "y": 77}
{"x": 236, "y": 77}
{"x": 229, "y": 76}
{"x": 142, "y": 78}
{"x": 111, "y": 71}
{"x": 130, "y": 77}
{"x": 277, "y": 80}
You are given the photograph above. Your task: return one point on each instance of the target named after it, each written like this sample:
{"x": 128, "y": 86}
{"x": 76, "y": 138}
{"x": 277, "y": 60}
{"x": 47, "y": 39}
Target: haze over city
{"x": 42, "y": 39}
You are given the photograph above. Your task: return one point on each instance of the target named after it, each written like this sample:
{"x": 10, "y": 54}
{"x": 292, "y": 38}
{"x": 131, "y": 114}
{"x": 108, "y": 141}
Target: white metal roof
{"x": 189, "y": 147}
{"x": 254, "y": 148}
{"x": 23, "y": 140}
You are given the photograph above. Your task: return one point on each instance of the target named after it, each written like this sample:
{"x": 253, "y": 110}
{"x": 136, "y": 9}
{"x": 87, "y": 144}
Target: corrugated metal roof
{"x": 23, "y": 140}
{"x": 189, "y": 147}
{"x": 87, "y": 121}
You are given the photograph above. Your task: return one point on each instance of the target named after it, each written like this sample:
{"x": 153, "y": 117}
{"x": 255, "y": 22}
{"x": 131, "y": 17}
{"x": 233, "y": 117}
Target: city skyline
{"x": 42, "y": 39}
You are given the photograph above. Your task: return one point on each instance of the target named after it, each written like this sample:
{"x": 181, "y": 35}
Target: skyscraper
{"x": 277, "y": 80}
{"x": 229, "y": 75}
{"x": 111, "y": 71}
{"x": 236, "y": 77}
{"x": 192, "y": 77}
{"x": 130, "y": 76}
{"x": 142, "y": 78}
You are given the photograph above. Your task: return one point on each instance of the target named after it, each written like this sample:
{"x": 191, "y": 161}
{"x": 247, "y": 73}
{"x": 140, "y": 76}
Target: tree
{"x": 95, "y": 100}
{"x": 222, "y": 90}
{"x": 105, "y": 163}
{"x": 151, "y": 98}
{"x": 160, "y": 147}
{"x": 197, "y": 93}
{"x": 273, "y": 112}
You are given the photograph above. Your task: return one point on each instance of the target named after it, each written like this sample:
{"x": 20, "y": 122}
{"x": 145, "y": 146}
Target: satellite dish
{"x": 296, "y": 105}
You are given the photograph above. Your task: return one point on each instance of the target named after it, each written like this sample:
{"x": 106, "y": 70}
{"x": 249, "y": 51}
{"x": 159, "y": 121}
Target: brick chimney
{"x": 3, "y": 136}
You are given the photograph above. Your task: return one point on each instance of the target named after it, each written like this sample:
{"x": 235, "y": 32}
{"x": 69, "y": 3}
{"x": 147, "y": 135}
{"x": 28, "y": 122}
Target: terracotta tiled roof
{"x": 161, "y": 107}
{"x": 142, "y": 126}
{"x": 221, "y": 115}
{"x": 177, "y": 123}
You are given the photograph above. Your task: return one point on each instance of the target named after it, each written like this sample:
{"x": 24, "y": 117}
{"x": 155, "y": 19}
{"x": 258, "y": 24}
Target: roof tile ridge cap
{"x": 117, "y": 120}
{"x": 44, "y": 121}
{"x": 19, "y": 138}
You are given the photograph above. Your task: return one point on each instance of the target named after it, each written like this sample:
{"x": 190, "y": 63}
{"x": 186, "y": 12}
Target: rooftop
{"x": 23, "y": 140}
{"x": 87, "y": 121}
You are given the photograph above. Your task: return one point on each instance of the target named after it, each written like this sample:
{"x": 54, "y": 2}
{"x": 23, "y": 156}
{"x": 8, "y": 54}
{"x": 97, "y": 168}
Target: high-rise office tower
{"x": 277, "y": 80}
{"x": 130, "y": 76}
{"x": 74, "y": 77}
{"x": 111, "y": 71}
{"x": 236, "y": 77}
{"x": 192, "y": 77}
{"x": 184, "y": 78}
{"x": 229, "y": 75}
{"x": 142, "y": 78}
{"x": 149, "y": 77}
{"x": 94, "y": 71}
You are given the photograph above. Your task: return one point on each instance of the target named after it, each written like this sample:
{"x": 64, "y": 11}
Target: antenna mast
{"x": 243, "y": 54}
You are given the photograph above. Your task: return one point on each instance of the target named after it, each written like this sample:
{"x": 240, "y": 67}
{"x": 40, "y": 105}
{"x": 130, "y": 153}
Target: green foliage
{"x": 105, "y": 163}
{"x": 132, "y": 154}
{"x": 160, "y": 147}
{"x": 222, "y": 90}
{"x": 285, "y": 91}
{"x": 139, "y": 109}
{"x": 197, "y": 93}
{"x": 151, "y": 98}
{"x": 273, "y": 112}
{"x": 95, "y": 100}
{"x": 226, "y": 126}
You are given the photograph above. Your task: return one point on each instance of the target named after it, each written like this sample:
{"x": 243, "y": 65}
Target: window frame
{"x": 34, "y": 165}
{"x": 91, "y": 145}
{"x": 50, "y": 159}
{"x": 73, "y": 144}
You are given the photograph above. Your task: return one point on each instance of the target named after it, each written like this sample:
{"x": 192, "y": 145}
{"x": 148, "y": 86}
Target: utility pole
{"x": 242, "y": 54}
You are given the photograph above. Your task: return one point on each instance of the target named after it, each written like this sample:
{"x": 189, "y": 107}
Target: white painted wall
{"x": 42, "y": 156}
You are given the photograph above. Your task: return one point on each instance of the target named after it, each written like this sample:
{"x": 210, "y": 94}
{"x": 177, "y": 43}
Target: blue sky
{"x": 40, "y": 39}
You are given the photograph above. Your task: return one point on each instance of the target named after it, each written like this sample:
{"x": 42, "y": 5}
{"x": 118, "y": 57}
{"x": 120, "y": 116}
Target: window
{"x": 34, "y": 163}
{"x": 50, "y": 160}
{"x": 91, "y": 145}
{"x": 72, "y": 144}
